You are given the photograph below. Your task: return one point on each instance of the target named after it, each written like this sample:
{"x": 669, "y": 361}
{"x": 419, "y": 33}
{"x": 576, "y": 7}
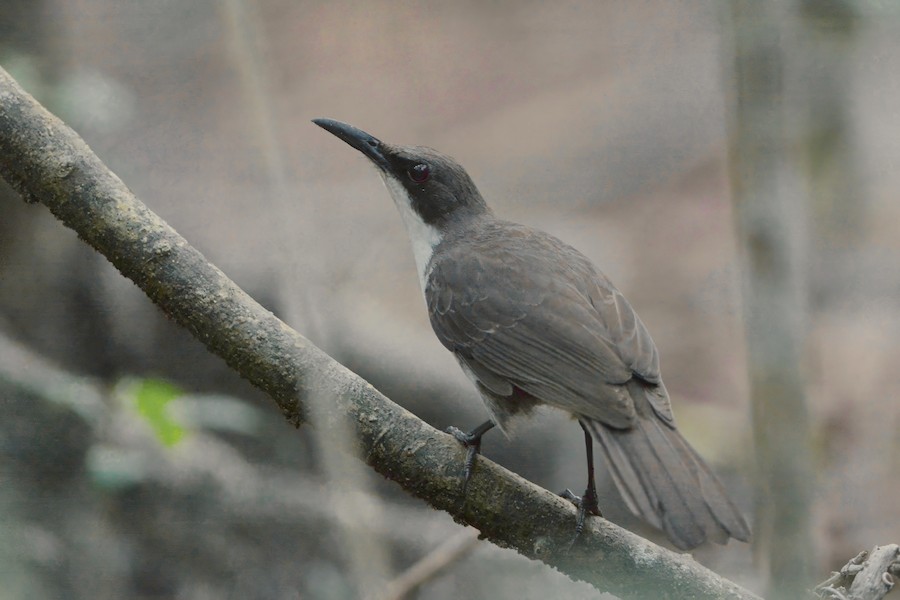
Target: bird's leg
{"x": 586, "y": 504}
{"x": 472, "y": 442}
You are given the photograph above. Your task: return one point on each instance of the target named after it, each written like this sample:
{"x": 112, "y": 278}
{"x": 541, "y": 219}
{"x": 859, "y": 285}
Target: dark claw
{"x": 473, "y": 448}
{"x": 586, "y": 504}
{"x": 472, "y": 442}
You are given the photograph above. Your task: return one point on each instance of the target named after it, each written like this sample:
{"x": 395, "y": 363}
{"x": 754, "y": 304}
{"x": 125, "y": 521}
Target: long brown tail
{"x": 665, "y": 482}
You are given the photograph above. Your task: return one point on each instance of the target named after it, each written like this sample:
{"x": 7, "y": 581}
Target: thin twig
{"x": 431, "y": 565}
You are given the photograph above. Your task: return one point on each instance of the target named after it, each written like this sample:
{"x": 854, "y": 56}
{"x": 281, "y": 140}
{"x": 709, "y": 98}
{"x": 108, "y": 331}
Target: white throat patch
{"x": 423, "y": 237}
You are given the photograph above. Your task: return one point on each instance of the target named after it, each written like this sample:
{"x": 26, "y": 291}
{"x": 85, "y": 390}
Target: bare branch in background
{"x": 355, "y": 505}
{"x": 47, "y": 162}
{"x": 770, "y": 210}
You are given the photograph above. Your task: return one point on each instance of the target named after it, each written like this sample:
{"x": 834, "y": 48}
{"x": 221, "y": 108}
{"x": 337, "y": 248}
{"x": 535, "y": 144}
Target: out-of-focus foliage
{"x": 152, "y": 398}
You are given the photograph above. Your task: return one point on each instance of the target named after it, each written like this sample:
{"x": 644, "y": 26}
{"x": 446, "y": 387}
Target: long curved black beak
{"x": 367, "y": 144}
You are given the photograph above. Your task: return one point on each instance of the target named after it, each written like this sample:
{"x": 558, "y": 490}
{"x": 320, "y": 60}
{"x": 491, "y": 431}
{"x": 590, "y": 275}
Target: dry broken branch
{"x": 867, "y": 576}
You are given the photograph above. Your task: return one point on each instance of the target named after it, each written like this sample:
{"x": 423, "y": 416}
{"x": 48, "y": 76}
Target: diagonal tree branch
{"x": 46, "y": 162}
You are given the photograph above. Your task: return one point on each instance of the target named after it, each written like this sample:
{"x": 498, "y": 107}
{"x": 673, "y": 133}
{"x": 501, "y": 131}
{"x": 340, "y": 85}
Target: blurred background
{"x": 688, "y": 148}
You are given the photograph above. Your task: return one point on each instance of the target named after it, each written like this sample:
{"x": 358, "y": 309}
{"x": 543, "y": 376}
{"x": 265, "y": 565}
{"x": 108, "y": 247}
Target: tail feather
{"x": 666, "y": 483}
{"x": 718, "y": 500}
{"x": 626, "y": 479}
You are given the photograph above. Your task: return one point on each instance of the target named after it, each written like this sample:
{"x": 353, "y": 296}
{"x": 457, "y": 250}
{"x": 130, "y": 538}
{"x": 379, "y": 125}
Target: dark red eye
{"x": 419, "y": 173}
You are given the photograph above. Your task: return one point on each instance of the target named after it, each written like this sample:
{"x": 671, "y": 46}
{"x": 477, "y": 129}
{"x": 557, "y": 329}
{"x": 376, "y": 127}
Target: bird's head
{"x": 432, "y": 186}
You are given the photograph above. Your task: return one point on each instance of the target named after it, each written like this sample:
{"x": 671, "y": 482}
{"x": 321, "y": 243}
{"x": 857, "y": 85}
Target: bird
{"x": 531, "y": 321}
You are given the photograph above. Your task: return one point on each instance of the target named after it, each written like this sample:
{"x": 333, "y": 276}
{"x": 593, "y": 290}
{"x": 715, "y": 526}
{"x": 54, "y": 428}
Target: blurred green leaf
{"x": 152, "y": 398}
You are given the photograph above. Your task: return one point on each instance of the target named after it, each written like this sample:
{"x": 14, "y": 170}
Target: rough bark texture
{"x": 48, "y": 163}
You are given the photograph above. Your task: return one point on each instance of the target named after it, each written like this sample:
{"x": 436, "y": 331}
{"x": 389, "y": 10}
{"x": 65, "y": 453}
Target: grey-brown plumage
{"x": 521, "y": 310}
{"x": 531, "y": 321}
